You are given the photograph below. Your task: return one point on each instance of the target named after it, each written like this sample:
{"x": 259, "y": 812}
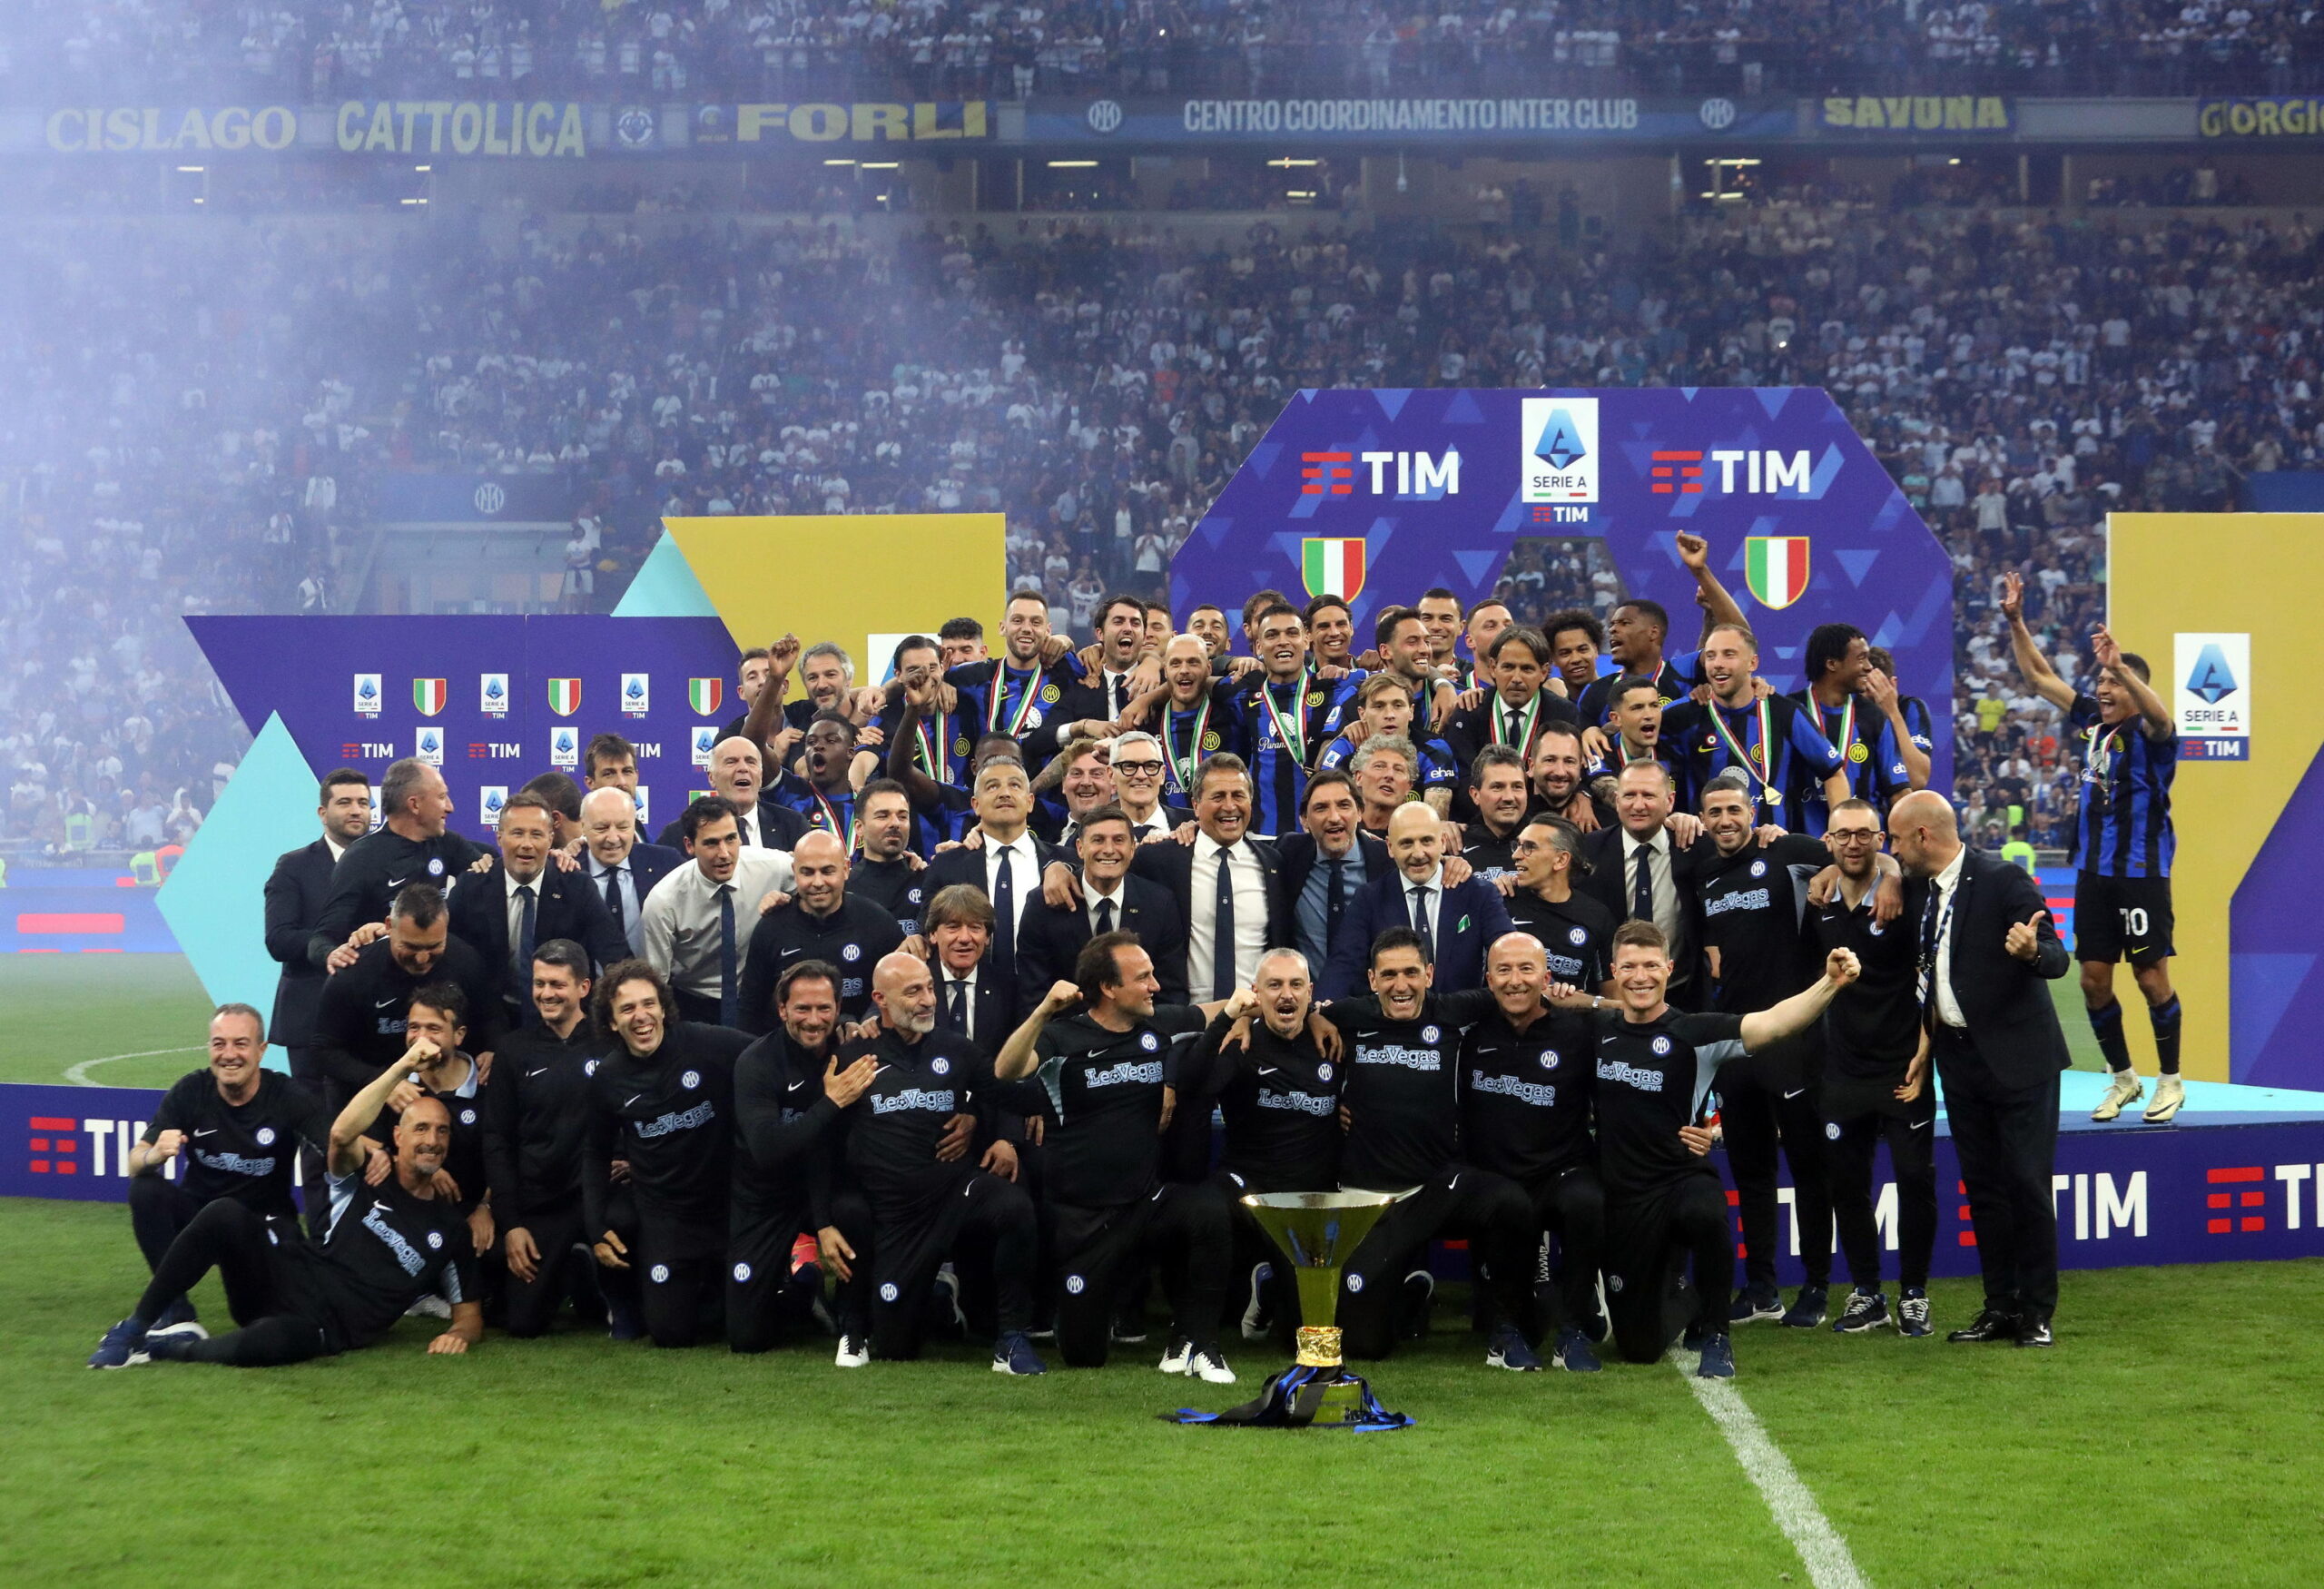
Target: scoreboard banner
{"x": 494, "y": 701}
{"x": 2132, "y": 1196}
{"x": 1378, "y": 495}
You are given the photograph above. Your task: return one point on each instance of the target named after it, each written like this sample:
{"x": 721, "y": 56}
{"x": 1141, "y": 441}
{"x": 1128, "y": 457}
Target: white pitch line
{"x": 78, "y": 1075}
{"x": 1821, "y": 1549}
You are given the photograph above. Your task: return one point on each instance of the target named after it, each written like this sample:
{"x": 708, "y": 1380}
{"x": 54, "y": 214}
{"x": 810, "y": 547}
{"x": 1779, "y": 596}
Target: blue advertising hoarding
{"x": 1435, "y": 487}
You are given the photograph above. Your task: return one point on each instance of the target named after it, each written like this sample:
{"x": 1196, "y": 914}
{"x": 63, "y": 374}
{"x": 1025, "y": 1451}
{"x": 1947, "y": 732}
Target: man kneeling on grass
{"x": 390, "y": 1243}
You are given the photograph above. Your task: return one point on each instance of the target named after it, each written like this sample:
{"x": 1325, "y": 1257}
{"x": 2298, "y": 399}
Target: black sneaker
{"x": 1808, "y": 1310}
{"x": 1258, "y": 1321}
{"x": 1752, "y": 1307}
{"x": 1718, "y": 1360}
{"x": 1912, "y": 1314}
{"x": 1988, "y": 1325}
{"x": 1865, "y": 1310}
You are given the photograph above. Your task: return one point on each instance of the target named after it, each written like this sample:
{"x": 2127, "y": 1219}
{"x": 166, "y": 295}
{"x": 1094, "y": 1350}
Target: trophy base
{"x": 1305, "y": 1397}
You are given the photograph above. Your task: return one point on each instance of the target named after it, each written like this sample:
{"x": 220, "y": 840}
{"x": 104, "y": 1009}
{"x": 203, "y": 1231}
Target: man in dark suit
{"x": 1986, "y": 948}
{"x": 1459, "y": 919}
{"x": 296, "y": 892}
{"x": 1649, "y": 866}
{"x": 1002, "y": 858}
{"x": 1333, "y": 847}
{"x": 622, "y": 870}
{"x": 1050, "y": 937}
{"x": 1230, "y": 883}
{"x": 969, "y": 999}
{"x": 738, "y": 772}
{"x": 521, "y": 902}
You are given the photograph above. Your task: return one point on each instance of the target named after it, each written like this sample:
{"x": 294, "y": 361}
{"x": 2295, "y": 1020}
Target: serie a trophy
{"x": 1315, "y": 1232}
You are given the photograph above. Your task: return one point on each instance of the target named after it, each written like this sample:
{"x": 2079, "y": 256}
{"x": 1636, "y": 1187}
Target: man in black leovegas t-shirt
{"x": 1525, "y": 1091}
{"x": 1111, "y": 1079}
{"x": 390, "y": 1244}
{"x": 1654, "y": 1067}
{"x": 233, "y": 1131}
{"x": 1279, "y": 1094}
{"x": 535, "y": 1114}
{"x": 1875, "y": 1084}
{"x": 1754, "y": 895}
{"x": 1402, "y": 1112}
{"x": 663, "y": 1102}
{"x": 897, "y": 1148}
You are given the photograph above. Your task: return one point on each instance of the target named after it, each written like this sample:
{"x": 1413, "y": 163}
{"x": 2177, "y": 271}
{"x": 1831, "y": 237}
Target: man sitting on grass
{"x": 391, "y": 1242}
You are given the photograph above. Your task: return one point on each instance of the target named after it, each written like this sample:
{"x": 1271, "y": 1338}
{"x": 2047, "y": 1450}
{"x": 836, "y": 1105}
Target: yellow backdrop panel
{"x": 847, "y": 577}
{"x": 2228, "y": 573}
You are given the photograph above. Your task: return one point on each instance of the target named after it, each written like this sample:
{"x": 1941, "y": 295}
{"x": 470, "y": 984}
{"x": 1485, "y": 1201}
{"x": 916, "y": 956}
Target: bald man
{"x": 1192, "y": 721}
{"x": 389, "y": 1245}
{"x": 621, "y": 867}
{"x": 819, "y": 922}
{"x": 1986, "y": 948}
{"x": 1458, "y": 919}
{"x": 1524, "y": 1084}
{"x": 928, "y": 1189}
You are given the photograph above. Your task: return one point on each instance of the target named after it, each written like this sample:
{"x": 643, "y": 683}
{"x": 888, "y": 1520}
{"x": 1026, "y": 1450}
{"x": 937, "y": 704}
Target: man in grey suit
{"x": 1986, "y": 948}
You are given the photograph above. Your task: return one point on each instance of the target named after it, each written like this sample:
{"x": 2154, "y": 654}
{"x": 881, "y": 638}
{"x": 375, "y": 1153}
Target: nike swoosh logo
{"x": 212, "y": 1131}
{"x": 382, "y": 1003}
{"x": 1928, "y": 1124}
{"x": 1269, "y": 1070}
{"x": 633, "y": 1098}
{"x": 542, "y": 1072}
{"x": 1794, "y": 1093}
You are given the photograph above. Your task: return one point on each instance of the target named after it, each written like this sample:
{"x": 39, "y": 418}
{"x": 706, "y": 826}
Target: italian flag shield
{"x": 565, "y": 697}
{"x": 704, "y": 694}
{"x": 427, "y": 695}
{"x": 1332, "y": 566}
{"x": 1775, "y": 567}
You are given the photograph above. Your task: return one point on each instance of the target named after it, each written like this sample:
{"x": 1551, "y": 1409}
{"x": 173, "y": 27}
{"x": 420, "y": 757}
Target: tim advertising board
{"x": 492, "y": 701}
{"x": 1379, "y": 495}
{"x": 2130, "y": 1197}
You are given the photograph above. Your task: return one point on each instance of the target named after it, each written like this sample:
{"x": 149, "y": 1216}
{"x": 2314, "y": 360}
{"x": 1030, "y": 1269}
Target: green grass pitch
{"x": 2171, "y": 1438}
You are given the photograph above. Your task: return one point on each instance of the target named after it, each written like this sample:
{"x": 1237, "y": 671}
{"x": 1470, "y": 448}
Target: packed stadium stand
{"x": 219, "y": 368}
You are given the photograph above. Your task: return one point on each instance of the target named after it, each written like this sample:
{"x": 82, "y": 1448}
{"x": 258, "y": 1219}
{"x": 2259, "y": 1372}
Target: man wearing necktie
{"x": 1986, "y": 948}
{"x": 698, "y": 920}
{"x": 1327, "y": 864}
{"x": 1645, "y": 869}
{"x": 1005, "y": 859}
{"x": 1049, "y": 936}
{"x": 970, "y": 999}
{"x": 524, "y": 900}
{"x": 621, "y": 869}
{"x": 1457, "y": 921}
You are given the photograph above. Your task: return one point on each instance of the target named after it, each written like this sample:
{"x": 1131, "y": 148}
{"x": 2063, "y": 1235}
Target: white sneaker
{"x": 1209, "y": 1367}
{"x": 2122, "y": 1090}
{"x": 2168, "y": 1094}
{"x": 188, "y": 1329}
{"x": 853, "y": 1352}
{"x": 1176, "y": 1359}
{"x": 430, "y": 1307}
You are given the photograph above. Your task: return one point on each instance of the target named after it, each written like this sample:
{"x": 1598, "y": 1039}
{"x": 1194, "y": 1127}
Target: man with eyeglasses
{"x": 1137, "y": 766}
{"x": 1876, "y": 1084}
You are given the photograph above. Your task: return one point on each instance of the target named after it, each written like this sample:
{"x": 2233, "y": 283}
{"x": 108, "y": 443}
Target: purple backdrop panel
{"x": 497, "y": 701}
{"x": 2275, "y": 939}
{"x": 1437, "y": 485}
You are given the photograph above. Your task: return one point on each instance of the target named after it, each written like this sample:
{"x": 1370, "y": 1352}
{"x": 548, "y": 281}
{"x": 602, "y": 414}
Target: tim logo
{"x": 367, "y": 695}
{"x": 428, "y": 744}
{"x": 565, "y": 747}
{"x": 635, "y": 688}
{"x": 493, "y": 695}
{"x": 52, "y": 1154}
{"x": 1326, "y": 474}
{"x": 1560, "y": 440}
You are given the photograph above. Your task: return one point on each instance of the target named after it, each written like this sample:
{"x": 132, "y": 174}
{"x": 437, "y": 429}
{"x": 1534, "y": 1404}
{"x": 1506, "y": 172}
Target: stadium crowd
{"x": 212, "y": 429}
{"x": 917, "y": 1022}
{"x": 713, "y": 49}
